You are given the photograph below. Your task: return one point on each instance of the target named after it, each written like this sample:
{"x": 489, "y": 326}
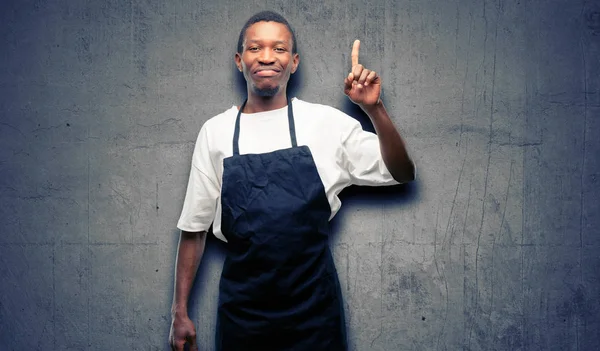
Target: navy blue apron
{"x": 279, "y": 288}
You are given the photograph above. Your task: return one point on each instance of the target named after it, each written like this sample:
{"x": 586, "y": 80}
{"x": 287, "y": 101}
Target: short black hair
{"x": 265, "y": 16}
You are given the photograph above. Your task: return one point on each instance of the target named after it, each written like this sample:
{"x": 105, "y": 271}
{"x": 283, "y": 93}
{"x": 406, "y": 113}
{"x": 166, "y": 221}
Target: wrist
{"x": 373, "y": 109}
{"x": 179, "y": 311}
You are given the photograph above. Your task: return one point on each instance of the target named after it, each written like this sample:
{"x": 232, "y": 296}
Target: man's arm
{"x": 393, "y": 149}
{"x": 363, "y": 87}
{"x": 191, "y": 248}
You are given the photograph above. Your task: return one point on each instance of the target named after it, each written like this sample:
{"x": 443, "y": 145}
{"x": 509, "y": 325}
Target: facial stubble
{"x": 266, "y": 92}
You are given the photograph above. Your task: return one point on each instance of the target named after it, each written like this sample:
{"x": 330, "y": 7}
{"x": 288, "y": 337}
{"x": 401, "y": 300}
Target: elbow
{"x": 405, "y": 174}
{"x": 404, "y": 178}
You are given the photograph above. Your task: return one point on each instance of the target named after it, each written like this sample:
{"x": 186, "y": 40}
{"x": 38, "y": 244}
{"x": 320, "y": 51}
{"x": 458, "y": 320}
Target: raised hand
{"x": 362, "y": 85}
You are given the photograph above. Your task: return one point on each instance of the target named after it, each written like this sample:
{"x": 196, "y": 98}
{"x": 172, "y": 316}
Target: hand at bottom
{"x": 182, "y": 332}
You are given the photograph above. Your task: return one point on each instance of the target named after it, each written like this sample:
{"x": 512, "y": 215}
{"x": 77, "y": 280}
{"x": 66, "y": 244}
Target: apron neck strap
{"x": 236, "y": 132}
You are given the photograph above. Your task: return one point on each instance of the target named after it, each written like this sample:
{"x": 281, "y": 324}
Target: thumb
{"x": 192, "y": 342}
{"x": 348, "y": 83}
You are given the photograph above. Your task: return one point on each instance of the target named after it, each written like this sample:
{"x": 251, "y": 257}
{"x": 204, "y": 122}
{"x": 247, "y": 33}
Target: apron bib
{"x": 279, "y": 288}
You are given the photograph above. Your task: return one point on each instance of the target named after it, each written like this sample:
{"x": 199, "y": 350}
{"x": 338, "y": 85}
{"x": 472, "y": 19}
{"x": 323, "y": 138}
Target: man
{"x": 266, "y": 175}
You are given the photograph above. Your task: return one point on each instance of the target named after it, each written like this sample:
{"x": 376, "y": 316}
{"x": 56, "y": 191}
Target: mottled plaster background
{"x": 496, "y": 246}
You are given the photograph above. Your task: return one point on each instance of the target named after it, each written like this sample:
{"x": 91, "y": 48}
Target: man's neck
{"x": 265, "y": 103}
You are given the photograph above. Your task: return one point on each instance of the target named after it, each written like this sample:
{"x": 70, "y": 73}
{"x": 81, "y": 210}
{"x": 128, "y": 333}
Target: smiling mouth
{"x": 267, "y": 73}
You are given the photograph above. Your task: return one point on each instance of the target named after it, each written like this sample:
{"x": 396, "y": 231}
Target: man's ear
{"x": 295, "y": 62}
{"x": 238, "y": 61}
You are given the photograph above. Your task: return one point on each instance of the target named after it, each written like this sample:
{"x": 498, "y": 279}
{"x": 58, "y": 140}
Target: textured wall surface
{"x": 496, "y": 246}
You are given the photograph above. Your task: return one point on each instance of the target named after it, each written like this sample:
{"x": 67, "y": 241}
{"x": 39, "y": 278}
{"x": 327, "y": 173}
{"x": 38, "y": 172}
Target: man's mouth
{"x": 267, "y": 72}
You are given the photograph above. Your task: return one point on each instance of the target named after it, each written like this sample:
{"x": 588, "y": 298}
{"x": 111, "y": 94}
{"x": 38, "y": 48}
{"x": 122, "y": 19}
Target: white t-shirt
{"x": 343, "y": 152}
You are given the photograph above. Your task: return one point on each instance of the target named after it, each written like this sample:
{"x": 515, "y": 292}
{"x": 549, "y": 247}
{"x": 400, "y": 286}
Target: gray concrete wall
{"x": 495, "y": 247}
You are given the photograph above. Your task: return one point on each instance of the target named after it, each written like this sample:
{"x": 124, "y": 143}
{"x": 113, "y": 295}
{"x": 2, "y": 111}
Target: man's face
{"x": 266, "y": 58}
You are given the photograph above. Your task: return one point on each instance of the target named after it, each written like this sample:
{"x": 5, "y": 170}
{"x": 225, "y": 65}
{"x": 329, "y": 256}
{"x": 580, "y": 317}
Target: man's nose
{"x": 266, "y": 57}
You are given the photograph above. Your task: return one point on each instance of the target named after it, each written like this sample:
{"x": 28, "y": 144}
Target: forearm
{"x": 191, "y": 248}
{"x": 393, "y": 149}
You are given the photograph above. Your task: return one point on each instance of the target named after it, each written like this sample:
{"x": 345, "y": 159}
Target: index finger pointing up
{"x": 355, "y": 49}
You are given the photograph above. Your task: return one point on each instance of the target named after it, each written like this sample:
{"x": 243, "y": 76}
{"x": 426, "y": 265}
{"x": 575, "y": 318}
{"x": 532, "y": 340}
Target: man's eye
{"x": 254, "y": 48}
{"x": 280, "y": 49}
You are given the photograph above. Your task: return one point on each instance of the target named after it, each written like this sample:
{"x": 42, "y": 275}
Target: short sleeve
{"x": 203, "y": 191}
{"x": 362, "y": 157}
